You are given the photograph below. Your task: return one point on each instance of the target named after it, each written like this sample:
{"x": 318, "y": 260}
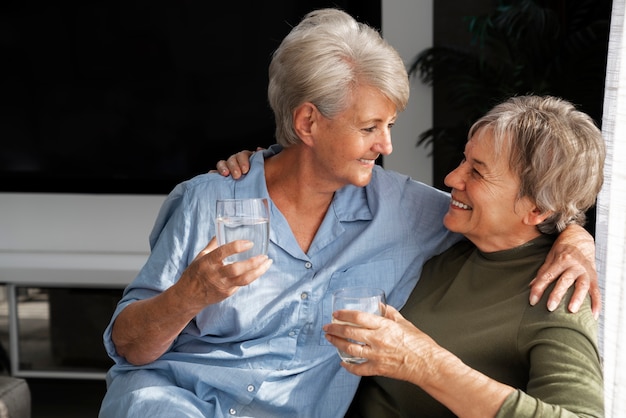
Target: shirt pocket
{"x": 380, "y": 274}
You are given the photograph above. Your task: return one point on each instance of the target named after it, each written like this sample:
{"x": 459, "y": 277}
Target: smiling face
{"x": 346, "y": 147}
{"x": 485, "y": 205}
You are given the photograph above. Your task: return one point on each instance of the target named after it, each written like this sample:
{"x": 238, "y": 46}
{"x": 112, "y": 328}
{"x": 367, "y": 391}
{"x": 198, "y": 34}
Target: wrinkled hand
{"x": 571, "y": 261}
{"x": 394, "y": 347}
{"x": 207, "y": 280}
{"x": 236, "y": 165}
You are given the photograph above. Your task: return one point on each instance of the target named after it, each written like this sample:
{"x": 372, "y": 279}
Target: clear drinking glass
{"x": 246, "y": 219}
{"x": 366, "y": 299}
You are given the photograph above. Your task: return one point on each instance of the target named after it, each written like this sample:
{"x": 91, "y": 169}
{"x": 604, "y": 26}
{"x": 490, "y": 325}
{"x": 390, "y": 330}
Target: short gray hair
{"x": 322, "y": 60}
{"x": 556, "y": 150}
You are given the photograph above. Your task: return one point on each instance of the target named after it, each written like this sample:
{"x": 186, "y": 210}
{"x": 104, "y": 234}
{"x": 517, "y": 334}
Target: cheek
{"x": 341, "y": 155}
{"x": 335, "y": 144}
{"x": 333, "y": 163}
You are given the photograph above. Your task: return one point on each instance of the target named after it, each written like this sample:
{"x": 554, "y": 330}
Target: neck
{"x": 509, "y": 242}
{"x": 290, "y": 176}
{"x": 292, "y": 184}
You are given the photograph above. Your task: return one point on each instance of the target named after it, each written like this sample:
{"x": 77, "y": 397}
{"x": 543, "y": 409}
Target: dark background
{"x": 556, "y": 47}
{"x": 136, "y": 96}
{"x": 567, "y": 59}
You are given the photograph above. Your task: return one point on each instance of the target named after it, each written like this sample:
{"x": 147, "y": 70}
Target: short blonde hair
{"x": 557, "y": 152}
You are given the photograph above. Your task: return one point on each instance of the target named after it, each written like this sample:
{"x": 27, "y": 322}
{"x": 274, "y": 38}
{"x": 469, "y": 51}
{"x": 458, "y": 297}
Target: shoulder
{"x": 414, "y": 207}
{"x": 188, "y": 198}
{"x": 560, "y": 326}
{"x": 539, "y": 314}
{"x": 393, "y": 185}
{"x": 200, "y": 188}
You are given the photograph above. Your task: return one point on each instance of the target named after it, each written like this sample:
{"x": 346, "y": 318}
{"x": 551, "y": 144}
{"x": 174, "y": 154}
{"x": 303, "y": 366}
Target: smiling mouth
{"x": 367, "y": 161}
{"x": 460, "y": 205}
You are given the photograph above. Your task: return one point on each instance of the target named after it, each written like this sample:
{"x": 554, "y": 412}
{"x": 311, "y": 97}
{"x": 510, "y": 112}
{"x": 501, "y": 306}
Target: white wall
{"x": 73, "y": 234}
{"x": 91, "y": 240}
{"x": 407, "y": 25}
{"x": 76, "y": 222}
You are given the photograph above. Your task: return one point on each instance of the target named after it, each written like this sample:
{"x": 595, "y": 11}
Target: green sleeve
{"x": 565, "y": 377}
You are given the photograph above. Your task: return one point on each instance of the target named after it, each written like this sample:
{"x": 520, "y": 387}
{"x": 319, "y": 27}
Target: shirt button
{"x": 308, "y": 265}
{"x": 292, "y": 333}
{"x": 303, "y": 295}
{"x": 232, "y": 411}
{"x": 250, "y": 388}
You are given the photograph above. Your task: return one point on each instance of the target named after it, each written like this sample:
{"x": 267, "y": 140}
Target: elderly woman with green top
{"x": 467, "y": 343}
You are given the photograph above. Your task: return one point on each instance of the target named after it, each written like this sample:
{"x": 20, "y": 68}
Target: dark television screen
{"x": 136, "y": 96}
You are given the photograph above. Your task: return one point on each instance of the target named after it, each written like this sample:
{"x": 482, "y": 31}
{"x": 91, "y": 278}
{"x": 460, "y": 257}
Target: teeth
{"x": 460, "y": 205}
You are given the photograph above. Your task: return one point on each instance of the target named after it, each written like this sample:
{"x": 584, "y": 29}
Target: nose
{"x": 454, "y": 179}
{"x": 383, "y": 143}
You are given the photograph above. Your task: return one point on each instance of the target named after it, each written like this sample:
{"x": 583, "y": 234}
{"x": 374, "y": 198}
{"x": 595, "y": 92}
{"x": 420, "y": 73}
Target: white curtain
{"x": 611, "y": 221}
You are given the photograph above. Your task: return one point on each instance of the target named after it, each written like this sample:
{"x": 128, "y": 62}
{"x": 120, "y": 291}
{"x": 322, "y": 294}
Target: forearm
{"x": 145, "y": 329}
{"x": 397, "y": 349}
{"x": 463, "y": 390}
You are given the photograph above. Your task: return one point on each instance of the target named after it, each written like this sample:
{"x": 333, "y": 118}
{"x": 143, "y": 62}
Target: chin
{"x": 362, "y": 181}
{"x": 449, "y": 223}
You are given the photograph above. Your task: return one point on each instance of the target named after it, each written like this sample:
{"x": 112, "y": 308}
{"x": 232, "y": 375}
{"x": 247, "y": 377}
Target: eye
{"x": 370, "y": 129}
{"x": 471, "y": 168}
{"x": 475, "y": 172}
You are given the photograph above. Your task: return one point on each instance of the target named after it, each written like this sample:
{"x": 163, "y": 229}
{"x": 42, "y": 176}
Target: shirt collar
{"x": 350, "y": 202}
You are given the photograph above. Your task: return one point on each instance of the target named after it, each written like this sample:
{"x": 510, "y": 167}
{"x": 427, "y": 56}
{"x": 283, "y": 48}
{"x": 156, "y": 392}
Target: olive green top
{"x": 475, "y": 305}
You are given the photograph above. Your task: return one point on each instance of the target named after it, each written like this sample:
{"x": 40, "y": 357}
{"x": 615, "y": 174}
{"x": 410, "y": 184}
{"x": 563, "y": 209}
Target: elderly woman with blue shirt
{"x": 195, "y": 337}
{"x": 467, "y": 343}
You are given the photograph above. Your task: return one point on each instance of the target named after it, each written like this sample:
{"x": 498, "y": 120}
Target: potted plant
{"x": 521, "y": 47}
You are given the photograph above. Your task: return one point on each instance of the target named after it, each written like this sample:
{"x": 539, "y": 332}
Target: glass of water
{"x": 243, "y": 219}
{"x": 366, "y": 299}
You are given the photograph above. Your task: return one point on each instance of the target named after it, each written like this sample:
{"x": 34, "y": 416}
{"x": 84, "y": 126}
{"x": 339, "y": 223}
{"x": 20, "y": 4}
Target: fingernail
{"x": 552, "y": 306}
{"x": 533, "y": 300}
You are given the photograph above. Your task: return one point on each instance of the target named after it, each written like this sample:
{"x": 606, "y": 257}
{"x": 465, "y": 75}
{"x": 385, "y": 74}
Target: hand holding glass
{"x": 364, "y": 299}
{"x": 243, "y": 219}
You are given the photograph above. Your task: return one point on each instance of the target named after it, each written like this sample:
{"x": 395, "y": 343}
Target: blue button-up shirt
{"x": 262, "y": 351}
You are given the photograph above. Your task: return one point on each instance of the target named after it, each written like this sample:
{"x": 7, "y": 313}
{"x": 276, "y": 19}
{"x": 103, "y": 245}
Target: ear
{"x": 535, "y": 216}
{"x": 304, "y": 117}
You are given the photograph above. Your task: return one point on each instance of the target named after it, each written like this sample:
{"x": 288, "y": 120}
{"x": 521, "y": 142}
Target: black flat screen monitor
{"x": 133, "y": 97}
